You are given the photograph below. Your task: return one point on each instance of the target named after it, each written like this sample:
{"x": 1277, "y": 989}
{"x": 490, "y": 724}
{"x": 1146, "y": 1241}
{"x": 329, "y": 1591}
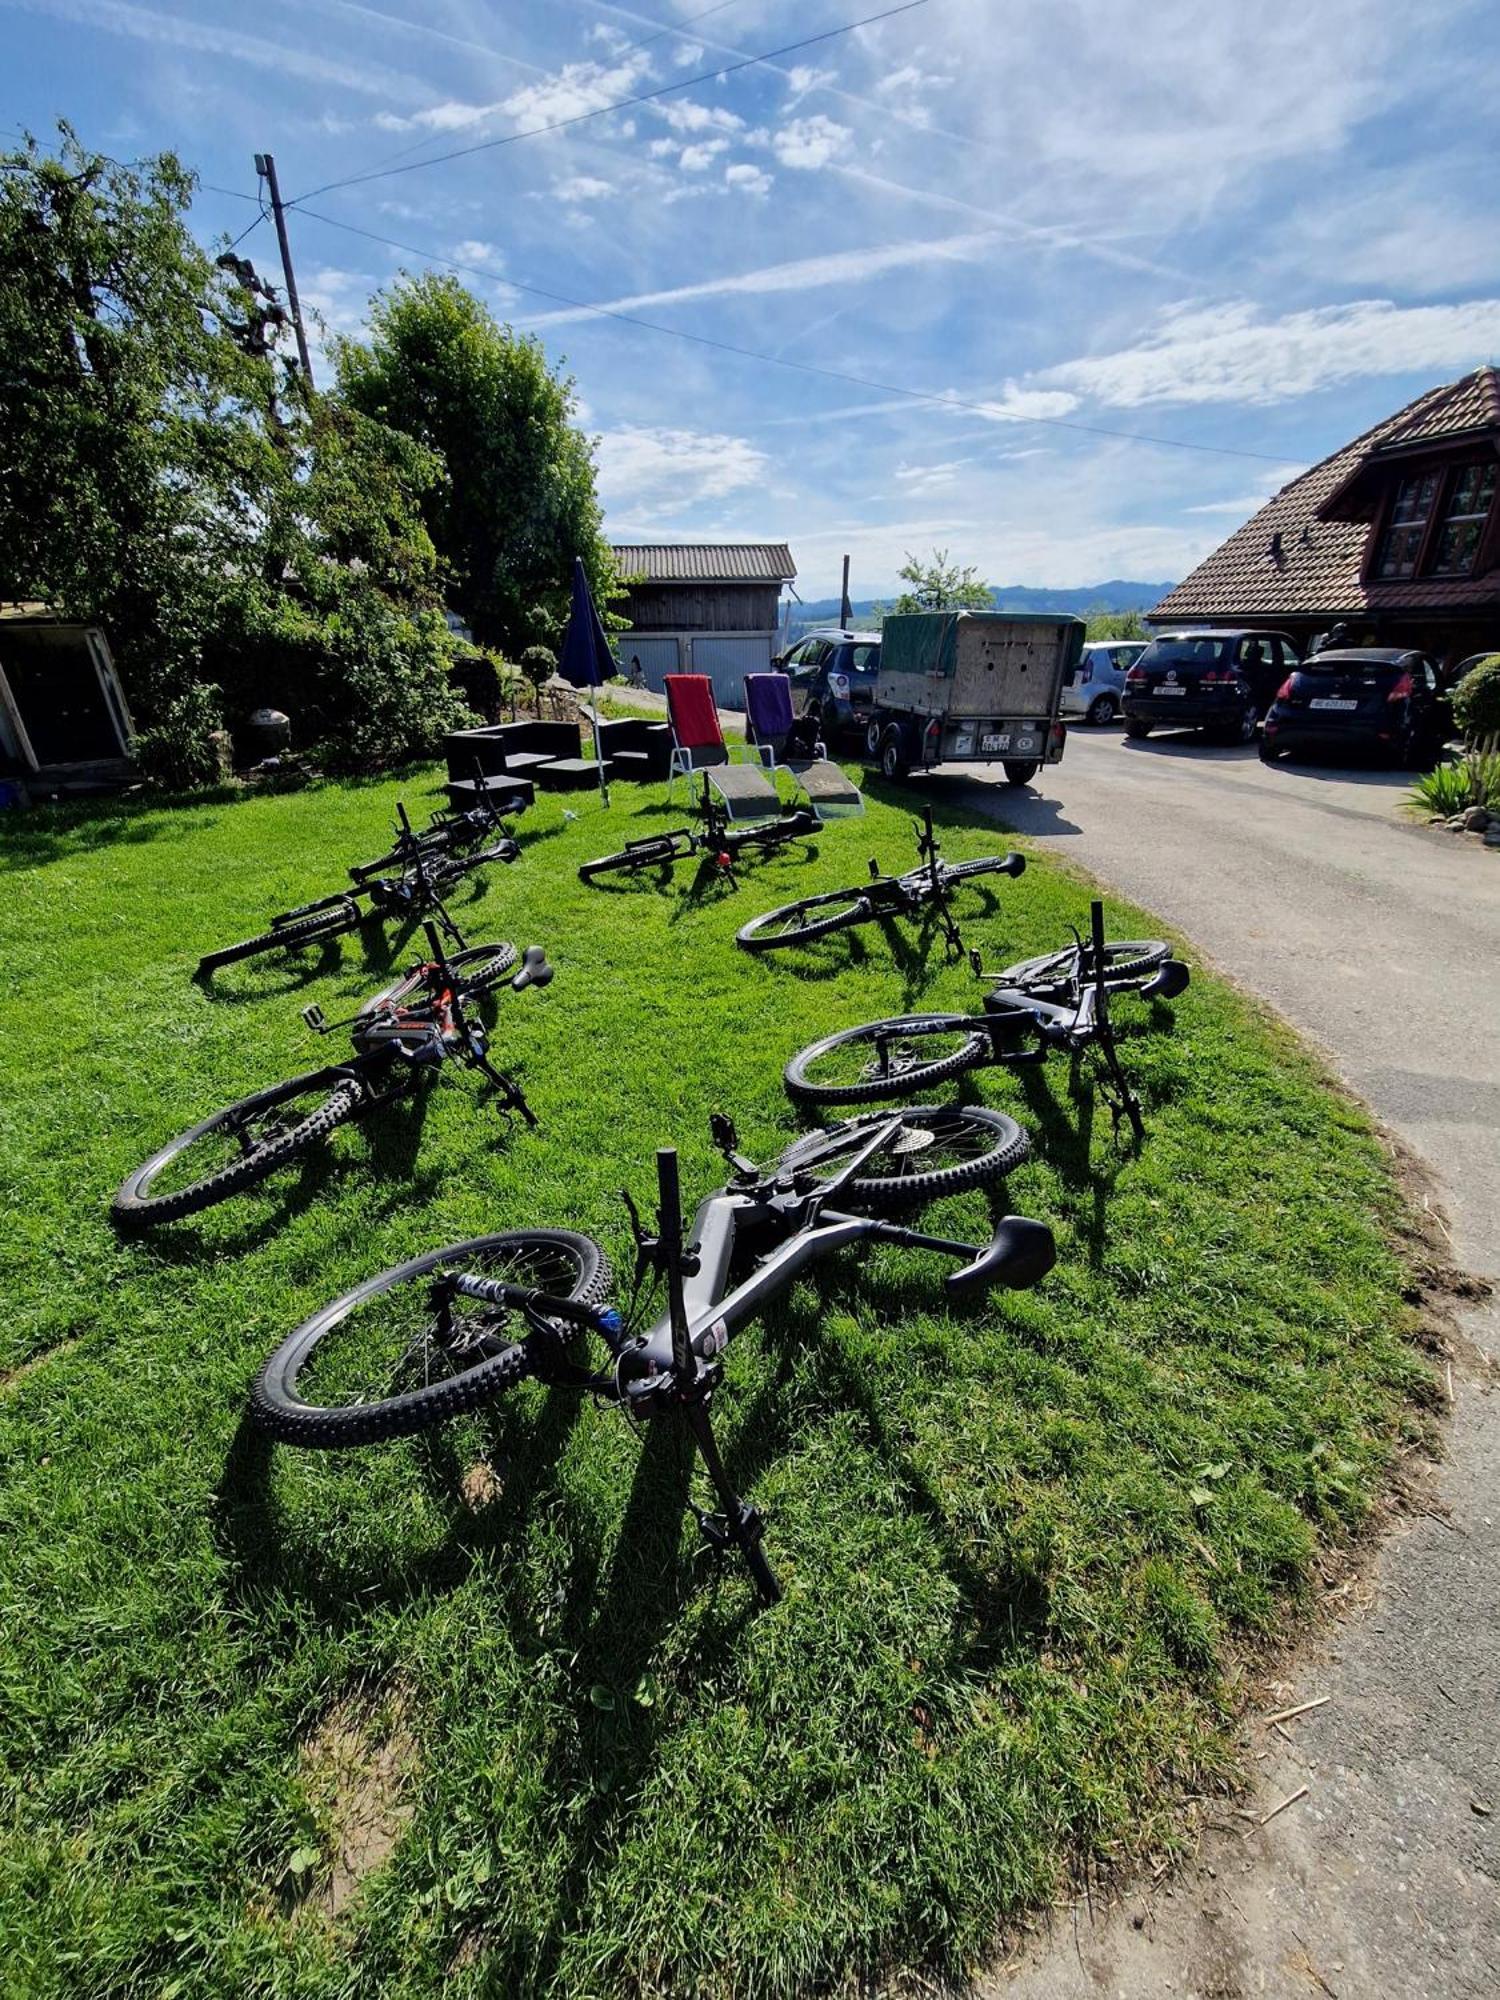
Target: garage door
{"x": 657, "y": 656}
{"x": 726, "y": 661}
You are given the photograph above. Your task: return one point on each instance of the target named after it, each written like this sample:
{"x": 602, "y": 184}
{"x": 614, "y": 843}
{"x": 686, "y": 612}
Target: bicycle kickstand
{"x": 739, "y": 1525}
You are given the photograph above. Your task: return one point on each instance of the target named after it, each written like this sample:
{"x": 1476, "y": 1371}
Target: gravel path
{"x": 1380, "y": 940}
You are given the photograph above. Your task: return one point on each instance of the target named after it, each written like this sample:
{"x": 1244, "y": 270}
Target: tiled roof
{"x": 706, "y": 562}
{"x": 1318, "y": 566}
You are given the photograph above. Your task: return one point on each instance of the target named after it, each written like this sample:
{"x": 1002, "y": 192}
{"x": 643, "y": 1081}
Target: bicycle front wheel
{"x": 236, "y": 1148}
{"x": 385, "y": 1361}
{"x": 935, "y": 1150}
{"x": 885, "y": 1059}
{"x": 1130, "y": 961}
{"x": 481, "y": 967}
{"x": 293, "y": 936}
{"x": 800, "y": 923}
{"x": 641, "y": 854}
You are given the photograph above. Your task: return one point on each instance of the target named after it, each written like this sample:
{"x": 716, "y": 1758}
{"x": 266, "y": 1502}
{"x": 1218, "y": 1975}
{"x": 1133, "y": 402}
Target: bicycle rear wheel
{"x": 800, "y": 923}
{"x": 1130, "y": 961}
{"x": 383, "y": 1361}
{"x": 237, "y": 1147}
{"x": 937, "y": 1150}
{"x": 293, "y": 936}
{"x": 640, "y": 854}
{"x": 885, "y": 1059}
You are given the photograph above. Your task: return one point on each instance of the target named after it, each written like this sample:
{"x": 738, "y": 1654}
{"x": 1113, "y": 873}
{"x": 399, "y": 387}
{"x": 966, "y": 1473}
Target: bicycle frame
{"x": 674, "y": 1367}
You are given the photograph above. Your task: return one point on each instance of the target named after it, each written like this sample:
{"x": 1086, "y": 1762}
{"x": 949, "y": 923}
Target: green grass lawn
{"x": 476, "y": 1713}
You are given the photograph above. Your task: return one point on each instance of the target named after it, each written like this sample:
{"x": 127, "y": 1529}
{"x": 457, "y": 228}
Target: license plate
{"x": 1331, "y": 701}
{"x": 1174, "y": 687}
{"x": 995, "y": 742}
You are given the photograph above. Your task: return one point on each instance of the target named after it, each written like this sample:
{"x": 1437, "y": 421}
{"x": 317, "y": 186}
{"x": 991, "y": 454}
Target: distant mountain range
{"x": 1116, "y": 595}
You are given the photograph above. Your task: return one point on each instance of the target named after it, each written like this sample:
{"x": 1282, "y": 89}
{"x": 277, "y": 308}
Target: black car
{"x": 1382, "y": 701}
{"x": 1219, "y": 682}
{"x": 833, "y": 675}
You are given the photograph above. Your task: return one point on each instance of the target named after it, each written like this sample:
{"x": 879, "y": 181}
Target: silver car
{"x": 1095, "y": 689}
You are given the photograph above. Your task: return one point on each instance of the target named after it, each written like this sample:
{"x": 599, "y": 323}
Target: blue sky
{"x": 1258, "y": 228}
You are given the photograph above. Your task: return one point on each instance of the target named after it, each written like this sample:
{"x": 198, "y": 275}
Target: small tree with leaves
{"x": 941, "y": 585}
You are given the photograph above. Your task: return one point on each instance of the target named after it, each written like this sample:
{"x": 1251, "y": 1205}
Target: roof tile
{"x": 1318, "y": 567}
{"x": 706, "y": 562}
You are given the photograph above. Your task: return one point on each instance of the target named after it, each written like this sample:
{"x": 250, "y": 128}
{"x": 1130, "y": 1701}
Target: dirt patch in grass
{"x": 357, "y": 1765}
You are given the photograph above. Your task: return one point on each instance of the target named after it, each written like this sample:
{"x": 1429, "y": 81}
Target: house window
{"x": 1409, "y": 516}
{"x": 1469, "y": 500}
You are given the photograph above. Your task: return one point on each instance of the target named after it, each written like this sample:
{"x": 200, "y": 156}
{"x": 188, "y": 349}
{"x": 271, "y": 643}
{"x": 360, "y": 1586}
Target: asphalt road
{"x": 1380, "y": 940}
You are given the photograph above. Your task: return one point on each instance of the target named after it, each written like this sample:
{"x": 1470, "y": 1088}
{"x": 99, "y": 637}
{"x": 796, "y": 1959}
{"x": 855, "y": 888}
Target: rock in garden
{"x": 1475, "y": 819}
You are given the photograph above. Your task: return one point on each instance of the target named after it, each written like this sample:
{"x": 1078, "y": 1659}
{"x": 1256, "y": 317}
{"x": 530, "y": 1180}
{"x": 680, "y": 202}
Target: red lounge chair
{"x": 698, "y": 745}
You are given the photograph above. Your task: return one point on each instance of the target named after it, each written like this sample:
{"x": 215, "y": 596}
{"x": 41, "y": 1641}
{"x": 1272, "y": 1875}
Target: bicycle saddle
{"x": 1019, "y": 1254}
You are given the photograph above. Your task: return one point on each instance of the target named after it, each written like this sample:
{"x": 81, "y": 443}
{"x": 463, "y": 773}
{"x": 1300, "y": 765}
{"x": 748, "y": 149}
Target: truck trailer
{"x": 972, "y": 687}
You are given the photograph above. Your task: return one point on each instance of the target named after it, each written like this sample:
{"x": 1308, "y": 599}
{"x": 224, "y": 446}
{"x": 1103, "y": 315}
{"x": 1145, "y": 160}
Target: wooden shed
{"x": 702, "y": 607}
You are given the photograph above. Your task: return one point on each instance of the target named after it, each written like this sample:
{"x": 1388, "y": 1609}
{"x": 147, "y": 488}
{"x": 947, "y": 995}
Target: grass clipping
{"x": 1027, "y": 1543}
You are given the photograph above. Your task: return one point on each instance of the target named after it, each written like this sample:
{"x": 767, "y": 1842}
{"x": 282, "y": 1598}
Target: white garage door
{"x": 657, "y": 656}
{"x": 727, "y": 660}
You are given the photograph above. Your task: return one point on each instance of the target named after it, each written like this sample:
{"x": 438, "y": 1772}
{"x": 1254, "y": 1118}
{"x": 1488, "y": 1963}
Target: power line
{"x": 947, "y": 402}
{"x": 620, "y": 104}
{"x": 617, "y": 55}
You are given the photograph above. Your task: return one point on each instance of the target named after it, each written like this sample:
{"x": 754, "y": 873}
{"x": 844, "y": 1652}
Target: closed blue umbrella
{"x": 586, "y": 658}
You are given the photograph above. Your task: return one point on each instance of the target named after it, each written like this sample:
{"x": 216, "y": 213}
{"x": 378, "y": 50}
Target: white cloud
{"x": 694, "y": 159}
{"x": 1233, "y": 354}
{"x": 690, "y": 54}
{"x": 809, "y": 142}
{"x": 581, "y": 187}
{"x": 802, "y": 78}
{"x": 576, "y": 88}
{"x": 473, "y": 250}
{"x": 647, "y": 469}
{"x": 685, "y": 114}
{"x": 840, "y": 267}
{"x": 748, "y": 179}
{"x": 660, "y": 148}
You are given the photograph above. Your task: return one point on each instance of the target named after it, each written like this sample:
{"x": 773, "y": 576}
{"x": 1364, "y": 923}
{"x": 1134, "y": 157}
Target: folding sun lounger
{"x": 773, "y": 734}
{"x": 698, "y": 745}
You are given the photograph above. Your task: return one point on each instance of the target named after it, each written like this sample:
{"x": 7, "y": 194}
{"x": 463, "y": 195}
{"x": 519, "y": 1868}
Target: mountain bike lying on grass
{"x": 401, "y": 1037}
{"x": 449, "y": 1330}
{"x": 928, "y": 886}
{"x": 411, "y": 880}
{"x": 717, "y": 841}
{"x": 1060, "y": 1001}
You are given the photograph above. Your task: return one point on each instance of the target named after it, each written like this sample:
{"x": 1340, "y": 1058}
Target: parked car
{"x": 833, "y": 675}
{"x": 1098, "y": 680}
{"x": 1219, "y": 682}
{"x": 1380, "y": 700}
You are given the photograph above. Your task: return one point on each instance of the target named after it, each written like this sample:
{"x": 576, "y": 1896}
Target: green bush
{"x": 1473, "y": 781}
{"x": 177, "y": 751}
{"x": 381, "y": 690}
{"x": 1476, "y": 701}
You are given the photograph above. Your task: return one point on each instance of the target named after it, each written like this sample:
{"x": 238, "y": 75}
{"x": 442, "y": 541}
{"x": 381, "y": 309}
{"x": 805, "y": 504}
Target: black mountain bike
{"x": 927, "y": 887}
{"x": 449, "y": 1330}
{"x": 402, "y": 1037}
{"x": 717, "y": 842}
{"x": 410, "y": 880}
{"x": 1060, "y": 1001}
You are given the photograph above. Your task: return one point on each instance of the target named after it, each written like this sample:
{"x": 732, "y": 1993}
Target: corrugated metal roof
{"x": 706, "y": 562}
{"x": 1317, "y": 567}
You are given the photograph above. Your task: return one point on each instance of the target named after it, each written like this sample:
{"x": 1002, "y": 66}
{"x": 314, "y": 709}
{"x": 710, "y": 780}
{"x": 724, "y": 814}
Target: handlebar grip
{"x": 1013, "y": 864}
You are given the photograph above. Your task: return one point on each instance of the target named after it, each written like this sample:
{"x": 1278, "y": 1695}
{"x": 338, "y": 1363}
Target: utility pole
{"x": 265, "y": 166}
{"x": 846, "y": 610}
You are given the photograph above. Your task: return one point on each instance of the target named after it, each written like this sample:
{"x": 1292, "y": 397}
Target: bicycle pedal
{"x": 315, "y": 1018}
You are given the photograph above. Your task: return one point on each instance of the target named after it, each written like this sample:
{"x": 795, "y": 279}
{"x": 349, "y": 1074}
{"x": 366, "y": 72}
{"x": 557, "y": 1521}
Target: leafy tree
{"x": 941, "y": 585}
{"x": 164, "y": 472}
{"x": 1116, "y": 625}
{"x": 519, "y": 504}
